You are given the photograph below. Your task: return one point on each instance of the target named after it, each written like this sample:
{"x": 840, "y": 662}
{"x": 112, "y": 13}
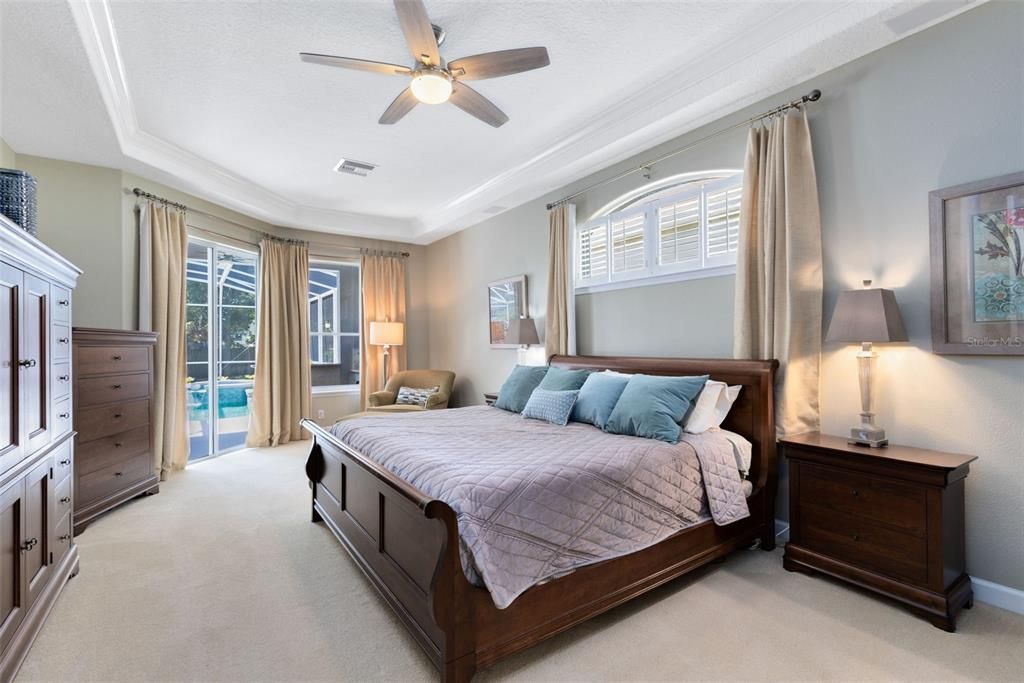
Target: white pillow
{"x": 741, "y": 449}
{"x": 725, "y": 401}
{"x": 711, "y": 407}
{"x": 620, "y": 374}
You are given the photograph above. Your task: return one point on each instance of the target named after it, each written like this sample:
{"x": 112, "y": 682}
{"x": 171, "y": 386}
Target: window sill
{"x": 717, "y": 271}
{"x": 336, "y": 390}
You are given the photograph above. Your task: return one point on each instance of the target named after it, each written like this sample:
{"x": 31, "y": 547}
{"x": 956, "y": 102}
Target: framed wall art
{"x": 506, "y": 301}
{"x": 977, "y": 256}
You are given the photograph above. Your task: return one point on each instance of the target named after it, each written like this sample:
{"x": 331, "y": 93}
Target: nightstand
{"x": 890, "y": 520}
{"x": 490, "y": 398}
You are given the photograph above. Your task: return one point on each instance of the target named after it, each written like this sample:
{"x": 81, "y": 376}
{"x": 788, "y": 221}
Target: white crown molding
{"x": 739, "y": 73}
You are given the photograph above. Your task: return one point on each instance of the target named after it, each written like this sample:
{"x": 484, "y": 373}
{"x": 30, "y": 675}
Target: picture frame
{"x": 506, "y": 301}
{"x": 977, "y": 259}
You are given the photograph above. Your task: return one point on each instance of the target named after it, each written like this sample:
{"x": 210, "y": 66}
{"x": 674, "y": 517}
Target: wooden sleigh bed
{"x": 407, "y": 543}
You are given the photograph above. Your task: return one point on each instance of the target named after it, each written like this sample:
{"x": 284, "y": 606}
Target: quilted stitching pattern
{"x": 550, "y": 406}
{"x": 535, "y": 500}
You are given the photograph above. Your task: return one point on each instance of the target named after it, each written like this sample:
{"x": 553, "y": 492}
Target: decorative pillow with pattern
{"x": 550, "y": 406}
{"x": 411, "y": 396}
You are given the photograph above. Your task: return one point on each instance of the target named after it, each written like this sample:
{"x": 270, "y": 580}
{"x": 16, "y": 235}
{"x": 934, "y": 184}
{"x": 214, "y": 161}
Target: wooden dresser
{"x": 890, "y": 520}
{"x": 113, "y": 406}
{"x": 37, "y": 549}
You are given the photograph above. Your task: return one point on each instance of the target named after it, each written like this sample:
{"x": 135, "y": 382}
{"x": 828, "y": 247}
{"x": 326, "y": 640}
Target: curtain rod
{"x": 139, "y": 192}
{"x": 812, "y": 96}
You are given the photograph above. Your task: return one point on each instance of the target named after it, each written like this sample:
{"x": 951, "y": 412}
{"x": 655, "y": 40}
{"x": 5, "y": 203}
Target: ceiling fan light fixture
{"x": 431, "y": 86}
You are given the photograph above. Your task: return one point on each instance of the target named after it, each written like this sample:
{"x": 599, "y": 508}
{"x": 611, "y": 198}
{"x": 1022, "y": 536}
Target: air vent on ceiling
{"x": 353, "y": 167}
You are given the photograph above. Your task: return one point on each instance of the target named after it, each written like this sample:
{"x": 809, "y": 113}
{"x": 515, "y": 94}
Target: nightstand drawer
{"x": 895, "y": 503}
{"x": 864, "y": 543}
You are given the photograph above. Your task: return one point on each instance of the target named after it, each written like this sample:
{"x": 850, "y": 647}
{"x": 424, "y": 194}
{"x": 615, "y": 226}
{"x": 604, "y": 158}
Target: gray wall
{"x": 939, "y": 108}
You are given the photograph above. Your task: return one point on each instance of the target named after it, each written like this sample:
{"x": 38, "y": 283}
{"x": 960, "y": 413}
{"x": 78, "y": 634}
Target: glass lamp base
{"x": 872, "y": 436}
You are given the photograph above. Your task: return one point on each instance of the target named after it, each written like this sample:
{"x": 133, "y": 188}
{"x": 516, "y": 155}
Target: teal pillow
{"x": 597, "y": 398}
{"x": 652, "y": 407}
{"x": 550, "y": 406}
{"x": 516, "y": 390}
{"x": 560, "y": 379}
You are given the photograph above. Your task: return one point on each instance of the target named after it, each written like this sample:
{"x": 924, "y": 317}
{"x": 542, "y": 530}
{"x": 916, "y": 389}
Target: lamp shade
{"x": 866, "y": 315}
{"x": 392, "y": 334}
{"x": 522, "y": 331}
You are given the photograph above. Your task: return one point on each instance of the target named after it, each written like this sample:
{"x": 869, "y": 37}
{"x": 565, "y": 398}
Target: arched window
{"x": 677, "y": 228}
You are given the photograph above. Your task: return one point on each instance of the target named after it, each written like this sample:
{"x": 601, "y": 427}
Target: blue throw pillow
{"x": 597, "y": 398}
{"x": 560, "y": 379}
{"x": 550, "y": 406}
{"x": 652, "y": 407}
{"x": 516, "y": 390}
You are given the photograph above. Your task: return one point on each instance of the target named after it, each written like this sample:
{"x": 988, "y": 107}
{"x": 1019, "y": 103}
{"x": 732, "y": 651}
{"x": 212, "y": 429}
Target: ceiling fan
{"x": 433, "y": 81}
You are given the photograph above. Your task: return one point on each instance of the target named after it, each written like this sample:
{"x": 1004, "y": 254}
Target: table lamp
{"x": 387, "y": 334}
{"x": 522, "y": 332}
{"x": 867, "y": 316}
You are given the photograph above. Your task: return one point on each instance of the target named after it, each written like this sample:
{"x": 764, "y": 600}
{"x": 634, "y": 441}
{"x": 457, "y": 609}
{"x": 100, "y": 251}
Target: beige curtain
{"x": 165, "y": 247}
{"x": 778, "y": 268}
{"x": 282, "y": 391}
{"x": 383, "y": 299}
{"x": 560, "y": 323}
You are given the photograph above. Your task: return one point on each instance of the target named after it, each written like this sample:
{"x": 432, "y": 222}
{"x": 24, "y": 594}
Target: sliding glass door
{"x": 220, "y": 331}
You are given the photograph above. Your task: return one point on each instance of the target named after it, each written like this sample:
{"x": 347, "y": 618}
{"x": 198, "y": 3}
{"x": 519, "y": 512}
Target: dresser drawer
{"x": 893, "y": 502}
{"x": 62, "y": 498}
{"x": 61, "y": 311}
{"x": 112, "y": 388}
{"x": 61, "y": 417}
{"x": 60, "y": 345}
{"x": 109, "y": 480}
{"x": 864, "y": 543}
{"x": 117, "y": 448}
{"x": 62, "y": 461}
{"x": 60, "y": 383}
{"x": 103, "y": 360}
{"x": 61, "y": 537}
{"x": 95, "y": 423}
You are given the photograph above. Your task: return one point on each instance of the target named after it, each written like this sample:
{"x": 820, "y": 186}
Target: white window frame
{"x": 335, "y": 337}
{"x": 653, "y": 272}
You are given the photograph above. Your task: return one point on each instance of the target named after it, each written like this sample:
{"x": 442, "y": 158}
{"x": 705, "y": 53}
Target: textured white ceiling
{"x": 212, "y": 97}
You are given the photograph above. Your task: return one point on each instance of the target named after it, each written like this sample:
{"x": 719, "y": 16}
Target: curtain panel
{"x": 163, "y": 240}
{"x": 778, "y": 267}
{"x": 282, "y": 389}
{"x": 560, "y": 321}
{"x": 383, "y": 300}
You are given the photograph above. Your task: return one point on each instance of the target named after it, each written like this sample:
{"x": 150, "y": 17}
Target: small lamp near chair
{"x": 387, "y": 334}
{"x": 867, "y": 316}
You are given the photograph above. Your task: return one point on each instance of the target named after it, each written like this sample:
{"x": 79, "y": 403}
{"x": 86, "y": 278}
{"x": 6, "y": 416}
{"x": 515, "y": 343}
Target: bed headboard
{"x": 753, "y": 414}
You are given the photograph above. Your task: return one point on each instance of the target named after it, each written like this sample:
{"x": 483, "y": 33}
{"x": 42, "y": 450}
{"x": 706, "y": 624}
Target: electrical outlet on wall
{"x": 319, "y": 414}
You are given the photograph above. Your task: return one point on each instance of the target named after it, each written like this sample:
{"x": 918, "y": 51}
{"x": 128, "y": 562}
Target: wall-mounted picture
{"x": 506, "y": 301}
{"x": 977, "y": 244}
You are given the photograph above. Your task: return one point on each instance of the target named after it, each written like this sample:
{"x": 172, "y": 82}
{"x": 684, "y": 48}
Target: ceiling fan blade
{"x": 402, "y": 105}
{"x": 358, "y": 64}
{"x": 419, "y": 34}
{"x": 501, "y": 63}
{"x": 475, "y": 104}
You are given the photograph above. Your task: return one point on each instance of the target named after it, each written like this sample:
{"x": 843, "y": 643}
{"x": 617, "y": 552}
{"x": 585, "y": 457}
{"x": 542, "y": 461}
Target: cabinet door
{"x": 38, "y": 506}
{"x": 11, "y": 445}
{"x": 35, "y": 393}
{"x": 12, "y": 587}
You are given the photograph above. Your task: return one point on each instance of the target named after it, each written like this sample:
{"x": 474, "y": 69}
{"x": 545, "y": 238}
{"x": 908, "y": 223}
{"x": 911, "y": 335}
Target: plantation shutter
{"x": 723, "y": 221}
{"x": 679, "y": 243}
{"x": 628, "y": 245}
{"x": 592, "y": 253}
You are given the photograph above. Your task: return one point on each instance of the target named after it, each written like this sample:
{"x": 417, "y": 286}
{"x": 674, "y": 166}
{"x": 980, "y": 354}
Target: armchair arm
{"x": 437, "y": 400}
{"x": 381, "y": 398}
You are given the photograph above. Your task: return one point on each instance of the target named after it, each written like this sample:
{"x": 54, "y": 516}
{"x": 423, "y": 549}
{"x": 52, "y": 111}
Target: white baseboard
{"x": 997, "y": 594}
{"x": 989, "y": 592}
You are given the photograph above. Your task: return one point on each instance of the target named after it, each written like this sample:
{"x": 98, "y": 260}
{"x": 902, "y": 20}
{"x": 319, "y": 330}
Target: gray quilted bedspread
{"x": 535, "y": 501}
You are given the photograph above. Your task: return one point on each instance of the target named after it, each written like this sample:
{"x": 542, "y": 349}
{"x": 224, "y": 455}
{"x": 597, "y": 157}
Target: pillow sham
{"x": 597, "y": 398}
{"x": 411, "y": 396}
{"x": 652, "y": 407}
{"x": 560, "y": 379}
{"x": 724, "y": 405}
{"x": 516, "y": 390}
{"x": 550, "y": 406}
{"x": 742, "y": 450}
{"x": 711, "y": 407}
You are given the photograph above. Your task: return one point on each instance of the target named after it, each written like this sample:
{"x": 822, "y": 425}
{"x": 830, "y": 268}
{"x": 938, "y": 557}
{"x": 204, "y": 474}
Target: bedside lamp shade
{"x": 387, "y": 333}
{"x": 522, "y": 331}
{"x": 867, "y": 315}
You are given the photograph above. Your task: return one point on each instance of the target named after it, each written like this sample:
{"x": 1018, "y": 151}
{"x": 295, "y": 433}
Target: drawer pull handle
{"x": 63, "y": 340}
{"x": 30, "y": 543}
{"x": 856, "y": 537}
{"x": 65, "y": 537}
{"x": 118, "y": 444}
{"x": 117, "y": 357}
{"x": 65, "y": 462}
{"x": 118, "y": 474}
{"x": 29, "y": 363}
{"x": 115, "y": 386}
{"x": 64, "y": 416}
{"x": 63, "y": 302}
{"x": 117, "y": 416}
{"x": 856, "y": 493}
{"x": 64, "y": 378}
{"x": 66, "y": 499}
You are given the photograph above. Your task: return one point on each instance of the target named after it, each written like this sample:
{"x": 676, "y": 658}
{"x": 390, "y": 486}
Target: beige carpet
{"x": 221, "y": 577}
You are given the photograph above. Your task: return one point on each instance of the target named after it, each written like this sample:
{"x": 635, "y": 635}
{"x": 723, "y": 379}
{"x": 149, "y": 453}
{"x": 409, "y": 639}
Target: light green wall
{"x": 939, "y": 108}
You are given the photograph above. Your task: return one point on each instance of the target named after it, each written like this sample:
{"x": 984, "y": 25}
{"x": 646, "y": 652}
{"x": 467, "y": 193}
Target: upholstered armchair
{"x": 384, "y": 401}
